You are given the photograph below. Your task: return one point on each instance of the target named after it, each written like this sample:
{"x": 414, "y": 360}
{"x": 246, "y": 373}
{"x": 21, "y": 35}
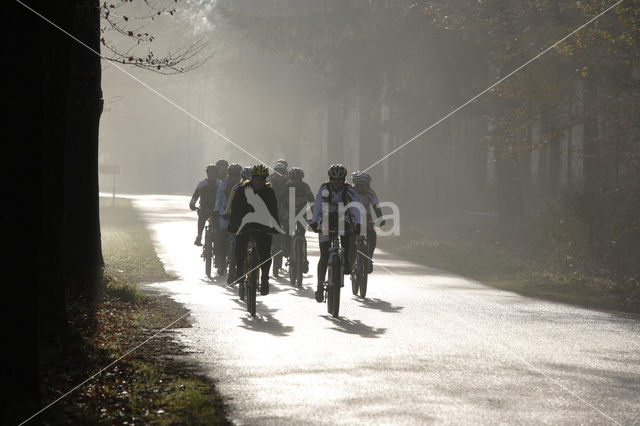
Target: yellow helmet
{"x": 260, "y": 170}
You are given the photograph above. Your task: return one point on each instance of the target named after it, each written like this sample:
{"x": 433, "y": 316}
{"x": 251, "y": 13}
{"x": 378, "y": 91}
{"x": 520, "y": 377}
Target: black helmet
{"x": 210, "y": 168}
{"x": 246, "y": 173}
{"x": 222, "y": 163}
{"x": 337, "y": 171}
{"x": 281, "y": 161}
{"x": 296, "y": 173}
{"x": 234, "y": 169}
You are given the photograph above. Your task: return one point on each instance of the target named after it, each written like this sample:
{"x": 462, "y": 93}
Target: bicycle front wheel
{"x": 252, "y": 283}
{"x": 208, "y": 253}
{"x": 300, "y": 257}
{"x": 362, "y": 281}
{"x": 333, "y": 299}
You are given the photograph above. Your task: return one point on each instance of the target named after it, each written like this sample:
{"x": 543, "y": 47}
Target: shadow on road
{"x": 379, "y": 305}
{"x": 348, "y": 326}
{"x": 264, "y": 321}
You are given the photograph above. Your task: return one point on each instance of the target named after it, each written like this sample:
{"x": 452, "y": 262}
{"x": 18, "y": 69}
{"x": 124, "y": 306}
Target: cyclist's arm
{"x": 234, "y": 207}
{"x": 272, "y": 205}
{"x": 309, "y": 193}
{"x": 231, "y": 194}
{"x": 219, "y": 199}
{"x": 317, "y": 206}
{"x": 355, "y": 212}
{"x": 194, "y": 198}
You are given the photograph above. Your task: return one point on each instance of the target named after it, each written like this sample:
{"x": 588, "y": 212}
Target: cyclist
{"x": 369, "y": 199}
{"x": 302, "y": 197}
{"x": 277, "y": 179}
{"x": 254, "y": 212}
{"x": 245, "y": 175}
{"x": 205, "y": 191}
{"x": 222, "y": 200}
{"x": 335, "y": 192}
{"x": 222, "y": 166}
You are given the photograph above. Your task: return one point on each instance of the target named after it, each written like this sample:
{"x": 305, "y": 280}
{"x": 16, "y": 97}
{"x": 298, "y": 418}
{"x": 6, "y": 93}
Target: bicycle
{"x": 361, "y": 267}
{"x": 248, "y": 291}
{"x": 297, "y": 257}
{"x": 335, "y": 272}
{"x": 207, "y": 248}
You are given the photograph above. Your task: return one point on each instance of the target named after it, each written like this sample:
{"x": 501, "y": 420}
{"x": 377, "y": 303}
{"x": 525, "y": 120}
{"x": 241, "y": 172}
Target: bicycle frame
{"x": 332, "y": 286}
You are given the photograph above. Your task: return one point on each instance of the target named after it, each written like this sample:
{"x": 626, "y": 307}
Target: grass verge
{"x": 501, "y": 268}
{"x": 151, "y": 385}
{"x": 126, "y": 245}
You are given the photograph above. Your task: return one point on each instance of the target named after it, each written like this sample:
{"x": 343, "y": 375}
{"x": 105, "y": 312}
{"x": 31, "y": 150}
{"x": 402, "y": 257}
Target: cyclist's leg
{"x": 202, "y": 220}
{"x": 222, "y": 242}
{"x": 345, "y": 240}
{"x": 242, "y": 239}
{"x": 322, "y": 268}
{"x": 303, "y": 232}
{"x": 232, "y": 260}
{"x": 371, "y": 240}
{"x": 264, "y": 249}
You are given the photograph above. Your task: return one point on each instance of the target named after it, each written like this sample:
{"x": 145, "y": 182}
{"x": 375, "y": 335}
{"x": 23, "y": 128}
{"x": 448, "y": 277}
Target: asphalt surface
{"x": 425, "y": 346}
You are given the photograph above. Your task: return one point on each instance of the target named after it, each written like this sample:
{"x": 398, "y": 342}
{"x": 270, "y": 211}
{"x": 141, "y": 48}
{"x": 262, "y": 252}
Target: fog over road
{"x": 425, "y": 347}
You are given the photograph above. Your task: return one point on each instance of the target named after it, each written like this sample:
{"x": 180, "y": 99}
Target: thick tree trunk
{"x": 83, "y": 251}
{"x": 52, "y": 313}
{"x": 21, "y": 169}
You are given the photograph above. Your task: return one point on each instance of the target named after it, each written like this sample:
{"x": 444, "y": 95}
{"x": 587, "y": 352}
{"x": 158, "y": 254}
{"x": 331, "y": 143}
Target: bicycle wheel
{"x": 334, "y": 289}
{"x": 354, "y": 278}
{"x": 364, "y": 277}
{"x": 293, "y": 264}
{"x": 299, "y": 262}
{"x": 364, "y": 270}
{"x": 252, "y": 282}
{"x": 208, "y": 253}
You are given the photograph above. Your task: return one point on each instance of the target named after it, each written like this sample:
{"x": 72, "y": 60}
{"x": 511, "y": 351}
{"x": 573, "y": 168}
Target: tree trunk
{"x": 21, "y": 168}
{"x": 83, "y": 251}
{"x": 52, "y": 313}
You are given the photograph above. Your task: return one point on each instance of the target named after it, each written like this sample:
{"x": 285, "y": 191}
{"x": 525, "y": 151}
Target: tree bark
{"x": 83, "y": 250}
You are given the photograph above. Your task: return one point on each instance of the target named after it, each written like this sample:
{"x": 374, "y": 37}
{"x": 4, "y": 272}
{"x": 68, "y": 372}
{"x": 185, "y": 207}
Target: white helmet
{"x": 360, "y": 178}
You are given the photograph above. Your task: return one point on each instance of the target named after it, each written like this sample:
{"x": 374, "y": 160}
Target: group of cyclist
{"x": 229, "y": 196}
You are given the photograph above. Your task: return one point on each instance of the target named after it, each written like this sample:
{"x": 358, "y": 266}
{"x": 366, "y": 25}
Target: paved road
{"x": 426, "y": 347}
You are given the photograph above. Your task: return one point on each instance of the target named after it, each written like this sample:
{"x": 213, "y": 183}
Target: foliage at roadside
{"x": 148, "y": 386}
{"x": 547, "y": 256}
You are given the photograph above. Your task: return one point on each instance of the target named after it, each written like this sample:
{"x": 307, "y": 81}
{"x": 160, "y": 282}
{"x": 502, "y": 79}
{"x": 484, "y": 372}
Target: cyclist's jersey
{"x": 277, "y": 183}
{"x": 206, "y": 192}
{"x": 302, "y": 193}
{"x": 222, "y": 200}
{"x": 370, "y": 202}
{"x": 227, "y": 211}
{"x": 346, "y": 195}
{"x": 260, "y": 220}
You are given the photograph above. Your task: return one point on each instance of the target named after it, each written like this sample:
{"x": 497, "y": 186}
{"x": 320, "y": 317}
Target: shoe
{"x": 305, "y": 267}
{"x": 198, "y": 241}
{"x": 347, "y": 268}
{"x": 319, "y": 295}
{"x": 264, "y": 288}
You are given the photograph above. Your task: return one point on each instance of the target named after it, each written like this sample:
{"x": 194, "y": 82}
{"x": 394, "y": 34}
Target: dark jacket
{"x": 240, "y": 207}
{"x": 303, "y": 195}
